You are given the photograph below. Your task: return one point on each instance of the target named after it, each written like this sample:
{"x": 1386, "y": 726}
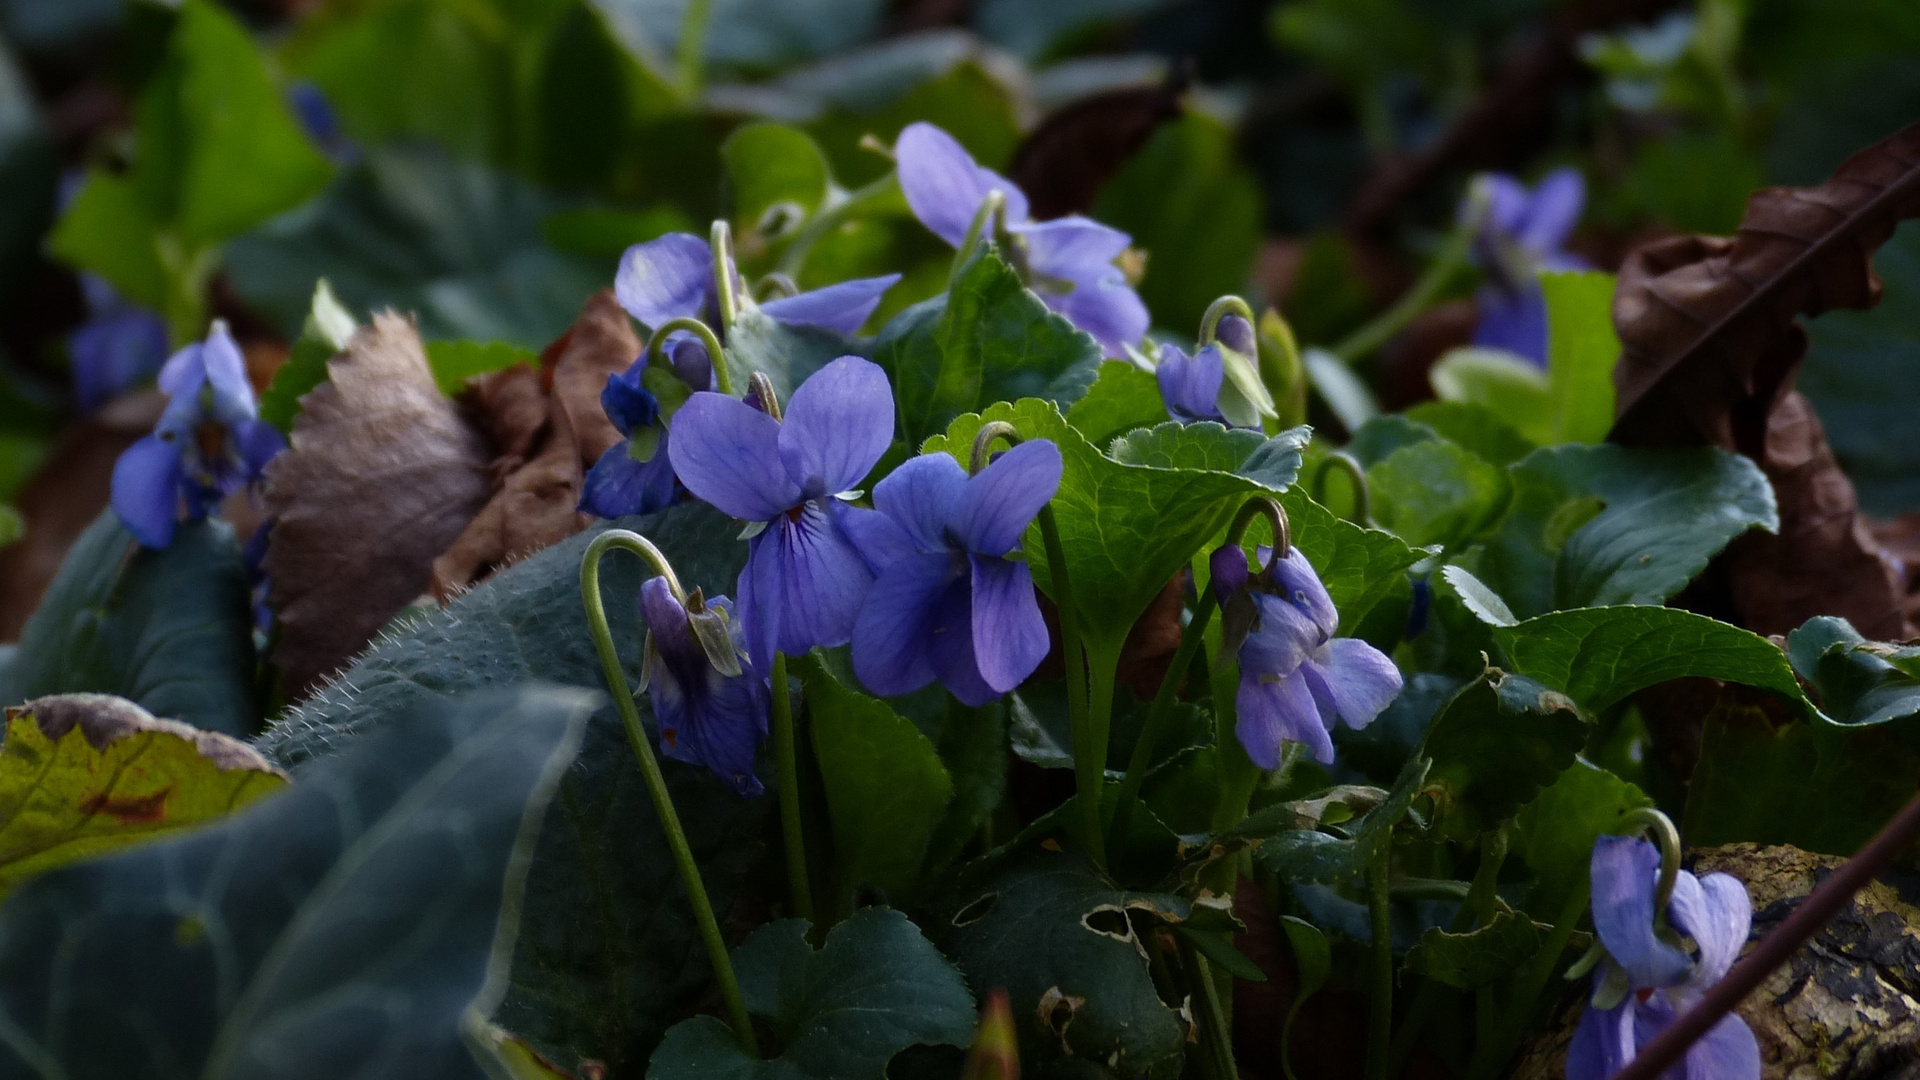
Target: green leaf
{"x": 1477, "y": 958}
{"x": 973, "y": 746}
{"x": 1591, "y": 526}
{"x": 82, "y": 775}
{"x": 603, "y": 233}
{"x": 1555, "y": 832}
{"x": 588, "y": 103}
{"x": 1309, "y": 855}
{"x": 1381, "y": 436}
{"x": 1122, "y": 398}
{"x": 1494, "y": 746}
{"x": 349, "y": 922}
{"x": 1126, "y": 529}
{"x": 988, "y": 339}
{"x": 219, "y": 151}
{"x": 787, "y": 355}
{"x": 1063, "y": 943}
{"x": 108, "y": 231}
{"x": 1860, "y": 682}
{"x": 327, "y": 329}
{"x": 1188, "y": 199}
{"x": 607, "y": 956}
{"x": 878, "y": 92}
{"x": 454, "y": 362}
{"x": 1485, "y": 604}
{"x": 1435, "y": 493}
{"x": 1360, "y": 567}
{"x": 1478, "y": 429}
{"x": 1274, "y": 462}
{"x": 12, "y": 528}
{"x": 886, "y": 788}
{"x": 774, "y": 172}
{"x": 842, "y": 1012}
{"x": 409, "y": 228}
{"x": 1312, "y": 956}
{"x": 1581, "y": 352}
{"x": 170, "y": 630}
{"x": 1501, "y": 383}
{"x": 1601, "y": 656}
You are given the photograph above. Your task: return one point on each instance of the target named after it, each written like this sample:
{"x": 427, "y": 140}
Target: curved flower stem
{"x": 792, "y": 834}
{"x": 1451, "y": 257}
{"x": 830, "y": 218}
{"x": 1089, "y": 770}
{"x": 1356, "y": 475}
{"x": 720, "y": 243}
{"x": 1647, "y": 819}
{"x": 689, "y": 54}
{"x": 722, "y": 379}
{"x": 1220, "y": 309}
{"x": 981, "y": 225}
{"x": 1380, "y": 995}
{"x": 1491, "y": 1055}
{"x": 663, "y": 808}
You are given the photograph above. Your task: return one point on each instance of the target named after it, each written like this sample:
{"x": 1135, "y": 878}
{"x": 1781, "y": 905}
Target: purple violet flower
{"x": 119, "y": 344}
{"x": 711, "y": 711}
{"x": 947, "y": 602}
{"x": 1647, "y": 982}
{"x": 1220, "y": 382}
{"x": 1068, "y": 261}
{"x": 1296, "y": 678}
{"x": 1190, "y": 385}
{"x": 1521, "y": 233}
{"x": 636, "y": 476}
{"x": 804, "y": 579}
{"x": 209, "y": 442}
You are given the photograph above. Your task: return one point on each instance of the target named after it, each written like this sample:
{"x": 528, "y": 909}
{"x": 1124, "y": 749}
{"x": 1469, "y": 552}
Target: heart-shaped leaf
{"x": 1494, "y": 746}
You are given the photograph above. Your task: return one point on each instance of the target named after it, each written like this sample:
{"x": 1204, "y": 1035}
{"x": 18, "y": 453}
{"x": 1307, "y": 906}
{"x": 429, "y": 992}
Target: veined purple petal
{"x": 1552, "y": 211}
{"x": 1281, "y": 640}
{"x": 996, "y": 505}
{"x": 892, "y": 638}
{"x": 1717, "y": 914}
{"x": 1358, "y": 678}
{"x": 184, "y": 371}
{"x": 728, "y": 454}
{"x": 1190, "y": 385}
{"x": 842, "y": 308}
{"x": 666, "y": 278}
{"x": 617, "y": 485}
{"x": 922, "y": 496}
{"x": 1236, "y": 333}
{"x": 1105, "y": 307}
{"x": 1228, "y": 569}
{"x": 952, "y": 646}
{"x": 1728, "y": 1051}
{"x": 879, "y": 539}
{"x": 627, "y": 403}
{"x": 705, "y": 717}
{"x": 1009, "y": 633}
{"x": 1514, "y": 321}
{"x": 1602, "y": 1045}
{"x": 1073, "y": 247}
{"x": 944, "y": 186}
{"x": 810, "y": 578}
{"x": 1300, "y": 586}
{"x": 838, "y": 424}
{"x": 227, "y": 374}
{"x": 146, "y": 490}
{"x": 688, "y": 357}
{"x": 1624, "y": 872}
{"x": 1273, "y": 711}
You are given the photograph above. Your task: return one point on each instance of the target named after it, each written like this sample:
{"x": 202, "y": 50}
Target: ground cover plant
{"x": 612, "y": 538}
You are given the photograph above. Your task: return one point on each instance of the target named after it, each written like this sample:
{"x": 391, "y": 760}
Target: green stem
{"x": 1219, "y": 1035}
{"x": 799, "y": 885}
{"x": 1160, "y": 713}
{"x": 690, "y": 52}
{"x": 1476, "y": 911}
{"x": 1090, "y": 737}
{"x": 720, "y": 244}
{"x": 722, "y": 380}
{"x": 1356, "y": 475}
{"x": 857, "y": 201}
{"x": 1452, "y": 256}
{"x": 663, "y": 808}
{"x": 980, "y": 226}
{"x": 1492, "y": 1054}
{"x": 1380, "y": 999}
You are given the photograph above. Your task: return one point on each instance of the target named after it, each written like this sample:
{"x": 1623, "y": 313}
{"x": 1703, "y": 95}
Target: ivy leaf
{"x": 1434, "y": 492}
{"x": 1065, "y": 945}
{"x": 1591, "y": 526}
{"x": 886, "y": 788}
{"x": 346, "y": 925}
{"x": 1555, "y": 832}
{"x": 987, "y": 339}
{"x": 171, "y": 631}
{"x": 86, "y": 774}
{"x": 1601, "y": 656}
{"x": 842, "y": 1012}
{"x": 1494, "y": 746}
{"x": 1860, "y": 682}
{"x": 1122, "y": 398}
{"x": 1479, "y": 957}
{"x": 607, "y": 956}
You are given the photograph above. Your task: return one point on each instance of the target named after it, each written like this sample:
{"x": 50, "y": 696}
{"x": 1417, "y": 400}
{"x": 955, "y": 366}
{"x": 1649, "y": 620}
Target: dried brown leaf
{"x": 382, "y": 473}
{"x": 542, "y": 468}
{"x": 1710, "y": 344}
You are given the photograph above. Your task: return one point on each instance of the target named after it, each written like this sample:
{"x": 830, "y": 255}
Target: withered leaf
{"x": 541, "y": 468}
{"x": 1062, "y": 164}
{"x": 381, "y": 474}
{"x": 1710, "y": 345}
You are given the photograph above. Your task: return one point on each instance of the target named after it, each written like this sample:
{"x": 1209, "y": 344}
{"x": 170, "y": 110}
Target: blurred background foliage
{"x": 484, "y": 162}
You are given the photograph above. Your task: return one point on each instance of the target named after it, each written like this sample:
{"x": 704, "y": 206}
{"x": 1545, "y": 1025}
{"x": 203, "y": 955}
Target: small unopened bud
{"x": 1236, "y": 333}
